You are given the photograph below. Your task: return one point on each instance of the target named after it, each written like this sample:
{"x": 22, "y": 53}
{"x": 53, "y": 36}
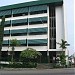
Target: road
{"x": 40, "y": 72}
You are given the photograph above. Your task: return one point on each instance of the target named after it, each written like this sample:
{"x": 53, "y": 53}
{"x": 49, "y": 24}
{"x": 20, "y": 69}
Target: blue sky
{"x": 9, "y": 2}
{"x": 74, "y": 25}
{"x": 70, "y": 18}
{"x": 70, "y": 24}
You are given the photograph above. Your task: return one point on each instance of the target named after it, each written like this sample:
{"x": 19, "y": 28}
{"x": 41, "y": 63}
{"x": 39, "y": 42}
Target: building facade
{"x": 38, "y": 25}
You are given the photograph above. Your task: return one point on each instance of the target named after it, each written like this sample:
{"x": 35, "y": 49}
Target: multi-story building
{"x": 37, "y": 24}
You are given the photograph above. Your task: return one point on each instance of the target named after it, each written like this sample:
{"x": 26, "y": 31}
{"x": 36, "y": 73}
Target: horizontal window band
{"x": 37, "y": 8}
{"x": 7, "y": 22}
{"x": 37, "y": 33}
{"x": 19, "y": 21}
{"x": 35, "y": 30}
{"x": 20, "y": 14}
{"x": 19, "y": 34}
{"x": 5, "y": 45}
{"x": 19, "y": 24}
{"x": 23, "y": 10}
{"x": 5, "y": 42}
{"x": 6, "y": 12}
{"x": 8, "y": 25}
{"x": 38, "y": 19}
{"x": 6, "y": 32}
{"x": 42, "y": 44}
{"x": 20, "y": 10}
{"x": 25, "y": 34}
{"x": 6, "y": 16}
{"x": 19, "y": 31}
{"x": 37, "y": 41}
{"x": 32, "y": 41}
{"x": 5, "y": 35}
{"x": 28, "y": 45}
{"x": 37, "y": 22}
{"x": 32, "y": 30}
{"x": 38, "y": 12}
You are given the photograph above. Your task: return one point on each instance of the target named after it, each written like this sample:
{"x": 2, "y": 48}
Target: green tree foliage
{"x": 29, "y": 56}
{"x": 63, "y": 44}
{"x": 29, "y": 53}
{"x": 62, "y": 59}
{"x": 1, "y": 33}
{"x": 62, "y": 56}
{"x": 14, "y": 42}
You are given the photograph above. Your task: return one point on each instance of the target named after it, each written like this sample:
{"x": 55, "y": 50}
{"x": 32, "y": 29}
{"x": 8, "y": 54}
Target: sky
{"x": 70, "y": 19}
{"x": 9, "y": 2}
{"x": 74, "y": 25}
{"x": 69, "y": 6}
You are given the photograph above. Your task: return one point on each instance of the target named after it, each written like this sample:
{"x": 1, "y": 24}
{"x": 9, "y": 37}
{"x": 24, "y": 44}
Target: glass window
{"x": 39, "y": 20}
{"x": 38, "y": 9}
{"x": 20, "y": 12}
{"x": 38, "y": 42}
{"x": 38, "y": 30}
{"x": 6, "y": 13}
{"x": 52, "y": 28}
{"x": 38, "y": 12}
{"x": 19, "y": 22}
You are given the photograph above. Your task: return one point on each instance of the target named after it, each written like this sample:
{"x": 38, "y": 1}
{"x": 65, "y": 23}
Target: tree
{"x": 63, "y": 44}
{"x": 62, "y": 59}
{"x": 62, "y": 56}
{"x": 29, "y": 56}
{"x": 1, "y": 33}
{"x": 14, "y": 42}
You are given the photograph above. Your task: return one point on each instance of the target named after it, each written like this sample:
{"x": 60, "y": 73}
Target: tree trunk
{"x": 12, "y": 58}
{"x": 0, "y": 53}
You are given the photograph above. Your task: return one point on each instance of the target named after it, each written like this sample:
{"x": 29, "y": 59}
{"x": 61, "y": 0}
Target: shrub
{"x": 29, "y": 57}
{"x": 14, "y": 65}
{"x": 20, "y": 65}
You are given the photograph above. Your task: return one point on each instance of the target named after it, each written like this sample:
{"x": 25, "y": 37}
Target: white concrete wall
{"x": 21, "y": 48}
{"x": 59, "y": 31}
{"x": 38, "y": 48}
{"x": 25, "y": 26}
{"x": 59, "y": 25}
{"x": 29, "y": 37}
{"x": 25, "y": 17}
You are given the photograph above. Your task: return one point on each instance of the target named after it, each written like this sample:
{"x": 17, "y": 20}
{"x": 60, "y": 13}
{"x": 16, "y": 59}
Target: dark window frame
{"x": 38, "y": 12}
{"x": 20, "y": 14}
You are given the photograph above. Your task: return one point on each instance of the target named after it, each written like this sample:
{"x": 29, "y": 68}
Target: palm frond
{"x": 58, "y": 43}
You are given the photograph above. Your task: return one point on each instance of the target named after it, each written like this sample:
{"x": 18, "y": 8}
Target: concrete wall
{"x": 59, "y": 25}
{"x": 59, "y": 31}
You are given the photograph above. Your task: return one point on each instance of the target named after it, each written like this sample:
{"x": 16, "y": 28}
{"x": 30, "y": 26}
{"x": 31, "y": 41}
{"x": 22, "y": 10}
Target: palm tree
{"x": 1, "y": 33}
{"x": 14, "y": 42}
{"x": 63, "y": 44}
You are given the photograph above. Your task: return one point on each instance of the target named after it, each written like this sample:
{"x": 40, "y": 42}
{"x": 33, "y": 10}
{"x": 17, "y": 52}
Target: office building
{"x": 37, "y": 24}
